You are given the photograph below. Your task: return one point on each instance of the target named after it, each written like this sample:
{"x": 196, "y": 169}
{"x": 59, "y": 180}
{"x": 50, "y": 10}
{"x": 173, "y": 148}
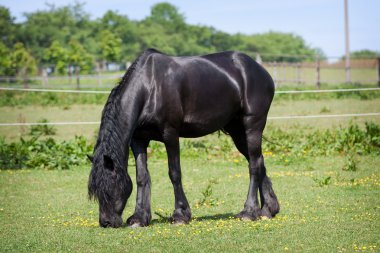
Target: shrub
{"x": 44, "y": 154}
{"x": 42, "y": 129}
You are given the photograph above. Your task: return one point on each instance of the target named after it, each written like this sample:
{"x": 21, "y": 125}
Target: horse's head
{"x": 110, "y": 184}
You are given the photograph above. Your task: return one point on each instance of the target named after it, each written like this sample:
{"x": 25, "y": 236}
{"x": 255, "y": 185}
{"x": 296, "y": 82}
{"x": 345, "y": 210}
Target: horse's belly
{"x": 200, "y": 125}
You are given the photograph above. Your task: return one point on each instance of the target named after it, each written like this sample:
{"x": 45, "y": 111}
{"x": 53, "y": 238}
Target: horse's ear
{"x": 108, "y": 162}
{"x": 91, "y": 158}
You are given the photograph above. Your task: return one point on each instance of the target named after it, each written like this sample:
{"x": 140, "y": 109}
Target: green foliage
{"x": 7, "y": 27}
{"x": 64, "y": 35}
{"x": 168, "y": 16}
{"x": 350, "y": 163}
{"x": 5, "y": 60}
{"x": 79, "y": 58}
{"x": 207, "y": 199}
{"x": 364, "y": 54}
{"x": 286, "y": 149}
{"x": 22, "y": 62}
{"x": 39, "y": 130}
{"x": 58, "y": 56}
{"x": 272, "y": 44}
{"x": 44, "y": 154}
{"x": 110, "y": 46}
{"x": 322, "y": 181}
{"x": 341, "y": 140}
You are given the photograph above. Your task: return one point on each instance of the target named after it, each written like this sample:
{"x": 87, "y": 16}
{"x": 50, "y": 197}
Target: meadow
{"x": 325, "y": 173}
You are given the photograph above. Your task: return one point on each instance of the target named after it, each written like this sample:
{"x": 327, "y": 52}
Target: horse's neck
{"x": 124, "y": 118}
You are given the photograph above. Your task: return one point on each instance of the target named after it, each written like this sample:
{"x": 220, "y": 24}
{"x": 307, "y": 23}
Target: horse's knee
{"x": 256, "y": 167}
{"x": 174, "y": 175}
{"x": 143, "y": 178}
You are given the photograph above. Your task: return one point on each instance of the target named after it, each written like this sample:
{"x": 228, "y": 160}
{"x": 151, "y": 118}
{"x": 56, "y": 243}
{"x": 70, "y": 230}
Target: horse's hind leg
{"x": 247, "y": 136}
{"x": 142, "y": 215}
{"x": 182, "y": 213}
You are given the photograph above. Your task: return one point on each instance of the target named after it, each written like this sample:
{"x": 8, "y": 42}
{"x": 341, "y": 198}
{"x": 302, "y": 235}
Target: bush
{"x": 42, "y": 129}
{"x": 285, "y": 147}
{"x": 44, "y": 154}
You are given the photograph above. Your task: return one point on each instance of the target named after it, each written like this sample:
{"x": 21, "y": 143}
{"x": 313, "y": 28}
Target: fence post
{"x": 44, "y": 77}
{"x": 298, "y": 68}
{"x": 26, "y": 79}
{"x": 275, "y": 74}
{"x": 78, "y": 77}
{"x": 98, "y": 74}
{"x": 378, "y": 71}
{"x": 318, "y": 69}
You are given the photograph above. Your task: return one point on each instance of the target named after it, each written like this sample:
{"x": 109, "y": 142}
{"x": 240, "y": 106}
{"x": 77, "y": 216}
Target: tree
{"x": 110, "y": 46}
{"x": 277, "y": 46}
{"x": 79, "y": 58}
{"x": 58, "y": 56}
{"x": 168, "y": 16}
{"x": 365, "y": 54}
{"x": 7, "y": 27}
{"x": 49, "y": 33}
{"x": 22, "y": 62}
{"x": 5, "y": 60}
{"x": 60, "y": 24}
{"x": 124, "y": 29}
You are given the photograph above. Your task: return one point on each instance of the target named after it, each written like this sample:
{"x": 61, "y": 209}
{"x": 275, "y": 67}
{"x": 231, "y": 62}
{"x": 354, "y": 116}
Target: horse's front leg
{"x": 182, "y": 213}
{"x": 142, "y": 215}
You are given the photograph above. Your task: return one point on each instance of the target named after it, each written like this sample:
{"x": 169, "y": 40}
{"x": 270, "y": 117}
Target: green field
{"x": 328, "y": 191}
{"x": 49, "y": 211}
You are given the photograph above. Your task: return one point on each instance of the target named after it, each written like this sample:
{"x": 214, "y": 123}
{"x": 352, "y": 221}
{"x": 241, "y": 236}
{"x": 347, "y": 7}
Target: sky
{"x": 319, "y": 22}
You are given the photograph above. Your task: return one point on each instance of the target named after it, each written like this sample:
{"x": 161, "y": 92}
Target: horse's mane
{"x": 110, "y": 131}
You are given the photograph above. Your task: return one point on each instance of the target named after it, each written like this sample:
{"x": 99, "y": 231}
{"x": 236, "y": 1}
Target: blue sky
{"x": 319, "y": 22}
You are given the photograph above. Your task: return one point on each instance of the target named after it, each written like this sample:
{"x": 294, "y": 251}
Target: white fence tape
{"x": 325, "y": 116}
{"x": 51, "y": 123}
{"x": 269, "y": 118}
{"x": 107, "y": 92}
{"x": 60, "y": 91}
{"x": 325, "y": 91}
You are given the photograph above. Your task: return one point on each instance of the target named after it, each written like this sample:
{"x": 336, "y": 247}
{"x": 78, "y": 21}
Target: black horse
{"x": 163, "y": 98}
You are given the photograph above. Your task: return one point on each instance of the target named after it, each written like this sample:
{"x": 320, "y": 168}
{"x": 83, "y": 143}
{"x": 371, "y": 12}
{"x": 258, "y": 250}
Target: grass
{"x": 49, "y": 211}
{"x": 326, "y": 205}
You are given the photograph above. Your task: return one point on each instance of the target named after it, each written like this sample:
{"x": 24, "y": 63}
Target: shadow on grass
{"x": 222, "y": 216}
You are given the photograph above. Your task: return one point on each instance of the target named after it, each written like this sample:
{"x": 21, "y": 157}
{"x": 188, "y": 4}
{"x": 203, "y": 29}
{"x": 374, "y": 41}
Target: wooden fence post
{"x": 78, "y": 77}
{"x": 318, "y": 69}
{"x": 98, "y": 74}
{"x": 298, "y": 69}
{"x": 275, "y": 74}
{"x": 378, "y": 71}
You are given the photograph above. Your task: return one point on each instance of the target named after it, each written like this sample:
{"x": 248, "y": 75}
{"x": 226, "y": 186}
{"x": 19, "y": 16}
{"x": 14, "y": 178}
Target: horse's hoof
{"x": 135, "y": 225}
{"x": 136, "y": 221}
{"x": 180, "y": 217}
{"x": 247, "y": 216}
{"x": 265, "y": 213}
{"x": 178, "y": 222}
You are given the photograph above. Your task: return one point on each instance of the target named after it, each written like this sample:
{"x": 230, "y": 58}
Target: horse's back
{"x": 201, "y": 94}
{"x": 226, "y": 73}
